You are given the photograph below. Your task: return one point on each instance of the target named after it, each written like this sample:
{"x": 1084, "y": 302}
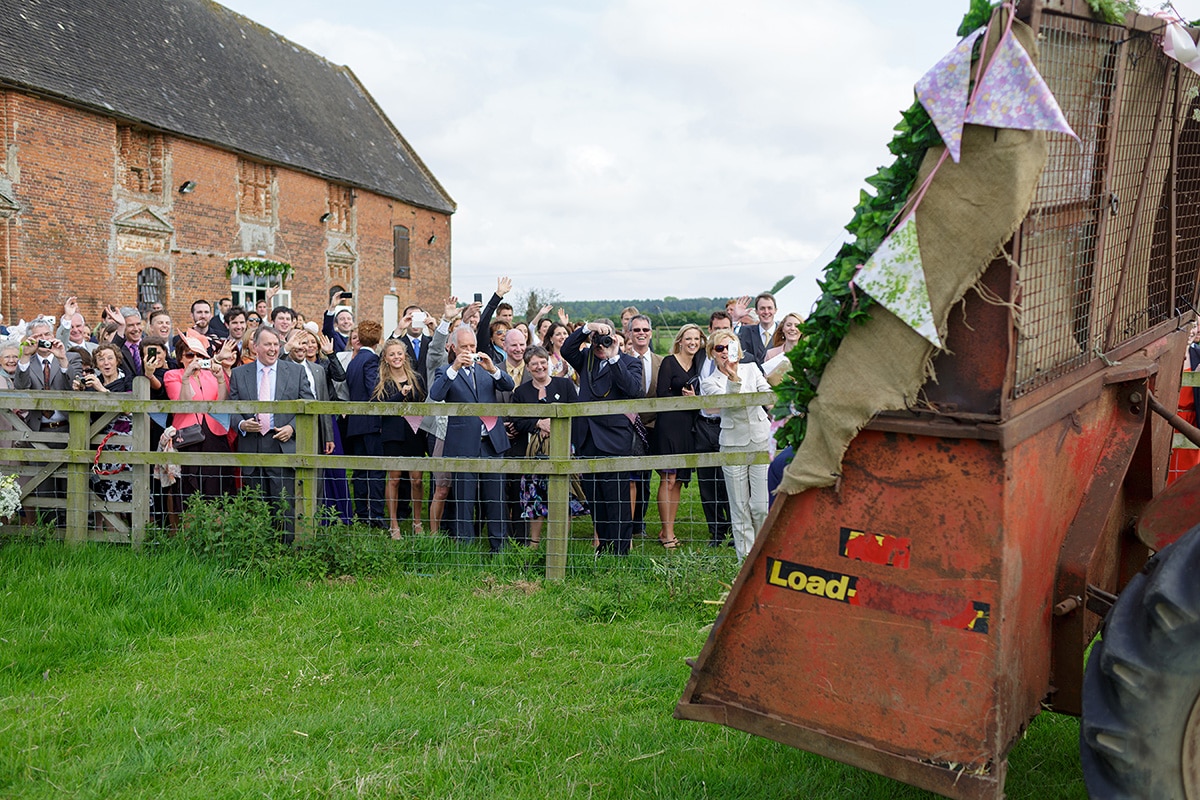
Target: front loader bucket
{"x": 902, "y": 622}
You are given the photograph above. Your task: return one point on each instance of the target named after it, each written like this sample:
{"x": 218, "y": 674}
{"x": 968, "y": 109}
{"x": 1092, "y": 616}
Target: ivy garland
{"x": 839, "y": 306}
{"x": 259, "y": 266}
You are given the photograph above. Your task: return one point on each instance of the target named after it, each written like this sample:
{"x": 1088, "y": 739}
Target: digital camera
{"x": 45, "y": 343}
{"x": 601, "y": 339}
{"x": 205, "y": 363}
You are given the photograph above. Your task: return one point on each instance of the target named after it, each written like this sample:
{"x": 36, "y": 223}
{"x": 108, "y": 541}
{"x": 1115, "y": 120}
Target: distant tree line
{"x": 666, "y": 312}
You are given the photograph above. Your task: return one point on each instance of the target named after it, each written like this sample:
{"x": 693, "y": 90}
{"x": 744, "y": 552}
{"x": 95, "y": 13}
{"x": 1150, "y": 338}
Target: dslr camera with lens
{"x": 599, "y": 339}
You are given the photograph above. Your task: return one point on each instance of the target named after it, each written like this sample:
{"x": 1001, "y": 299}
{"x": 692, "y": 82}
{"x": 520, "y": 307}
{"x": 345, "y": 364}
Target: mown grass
{"x": 167, "y": 674}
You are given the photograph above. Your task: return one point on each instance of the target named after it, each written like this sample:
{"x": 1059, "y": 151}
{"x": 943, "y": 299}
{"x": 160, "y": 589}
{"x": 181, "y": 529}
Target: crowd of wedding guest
{"x": 461, "y": 353}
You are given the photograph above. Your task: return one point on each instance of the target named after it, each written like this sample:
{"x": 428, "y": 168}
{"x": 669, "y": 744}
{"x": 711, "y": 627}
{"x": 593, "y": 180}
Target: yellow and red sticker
{"x": 939, "y": 609}
{"x": 874, "y": 548}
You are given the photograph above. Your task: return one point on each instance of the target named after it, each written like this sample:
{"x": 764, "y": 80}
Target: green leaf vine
{"x": 259, "y": 266}
{"x": 1113, "y": 11}
{"x": 840, "y": 306}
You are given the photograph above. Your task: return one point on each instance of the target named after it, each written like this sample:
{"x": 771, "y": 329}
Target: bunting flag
{"x": 943, "y": 92}
{"x": 1177, "y": 44}
{"x": 895, "y": 277}
{"x": 1012, "y": 94}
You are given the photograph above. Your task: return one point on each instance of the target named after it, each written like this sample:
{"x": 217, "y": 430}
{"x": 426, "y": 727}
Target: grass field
{"x": 165, "y": 674}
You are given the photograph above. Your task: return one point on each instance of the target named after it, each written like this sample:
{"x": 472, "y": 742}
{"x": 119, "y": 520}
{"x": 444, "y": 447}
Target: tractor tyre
{"x": 1140, "y": 733}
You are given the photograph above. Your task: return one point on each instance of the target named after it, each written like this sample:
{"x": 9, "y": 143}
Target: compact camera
{"x": 476, "y": 357}
{"x": 45, "y": 343}
{"x": 206, "y": 363}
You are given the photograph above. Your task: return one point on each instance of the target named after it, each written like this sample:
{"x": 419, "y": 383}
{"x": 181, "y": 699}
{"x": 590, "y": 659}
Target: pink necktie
{"x": 264, "y": 393}
{"x": 488, "y": 422}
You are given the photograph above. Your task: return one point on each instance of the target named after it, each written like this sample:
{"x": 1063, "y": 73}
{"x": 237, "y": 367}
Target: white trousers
{"x": 747, "y": 489}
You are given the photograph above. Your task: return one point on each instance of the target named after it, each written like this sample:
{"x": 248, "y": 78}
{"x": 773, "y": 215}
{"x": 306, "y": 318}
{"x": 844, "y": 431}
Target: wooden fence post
{"x": 307, "y": 483}
{"x": 139, "y": 516}
{"x": 78, "y": 500}
{"x": 558, "y": 523}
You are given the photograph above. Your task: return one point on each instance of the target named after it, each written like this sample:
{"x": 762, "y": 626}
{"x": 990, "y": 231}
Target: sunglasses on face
{"x": 719, "y": 348}
{"x": 639, "y": 330}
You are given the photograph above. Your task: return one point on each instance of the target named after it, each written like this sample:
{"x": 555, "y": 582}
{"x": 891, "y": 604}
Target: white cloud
{"x": 638, "y": 148}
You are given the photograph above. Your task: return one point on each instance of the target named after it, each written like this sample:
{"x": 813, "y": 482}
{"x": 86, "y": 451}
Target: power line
{"x": 619, "y": 270}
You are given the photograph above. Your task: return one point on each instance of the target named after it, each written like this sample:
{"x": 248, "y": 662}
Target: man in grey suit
{"x": 44, "y": 363}
{"x": 269, "y": 378}
{"x": 46, "y": 367}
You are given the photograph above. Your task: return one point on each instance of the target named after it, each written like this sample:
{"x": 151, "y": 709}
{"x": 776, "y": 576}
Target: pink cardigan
{"x": 173, "y": 382}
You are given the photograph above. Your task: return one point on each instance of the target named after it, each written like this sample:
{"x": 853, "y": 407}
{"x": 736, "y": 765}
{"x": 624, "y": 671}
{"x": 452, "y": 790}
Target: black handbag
{"x": 186, "y": 437}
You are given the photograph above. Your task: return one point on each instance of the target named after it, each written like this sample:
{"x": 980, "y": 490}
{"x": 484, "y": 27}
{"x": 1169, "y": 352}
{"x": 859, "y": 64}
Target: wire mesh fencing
{"x": 94, "y": 467}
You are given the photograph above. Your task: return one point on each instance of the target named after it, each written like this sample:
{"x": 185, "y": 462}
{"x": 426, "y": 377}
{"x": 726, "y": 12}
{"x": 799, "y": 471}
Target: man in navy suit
{"x": 605, "y": 374}
{"x": 472, "y": 377}
{"x": 756, "y": 339}
{"x": 362, "y": 431}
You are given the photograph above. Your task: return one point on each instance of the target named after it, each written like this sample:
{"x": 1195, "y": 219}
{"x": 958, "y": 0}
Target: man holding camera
{"x": 417, "y": 339}
{"x": 604, "y": 374}
{"x": 472, "y": 377}
{"x": 46, "y": 364}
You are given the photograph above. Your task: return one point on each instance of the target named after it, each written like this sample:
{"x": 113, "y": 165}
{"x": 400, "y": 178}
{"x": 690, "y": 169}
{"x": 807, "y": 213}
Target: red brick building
{"x": 147, "y": 143}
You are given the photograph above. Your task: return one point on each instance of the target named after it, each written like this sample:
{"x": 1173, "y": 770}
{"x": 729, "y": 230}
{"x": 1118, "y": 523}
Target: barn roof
{"x": 196, "y": 69}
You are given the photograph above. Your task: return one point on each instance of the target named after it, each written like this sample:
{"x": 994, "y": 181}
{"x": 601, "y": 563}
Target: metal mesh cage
{"x": 1100, "y": 247}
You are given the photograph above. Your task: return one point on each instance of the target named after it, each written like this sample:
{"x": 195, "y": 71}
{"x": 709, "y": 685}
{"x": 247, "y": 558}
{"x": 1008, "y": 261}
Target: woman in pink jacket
{"x": 200, "y": 378}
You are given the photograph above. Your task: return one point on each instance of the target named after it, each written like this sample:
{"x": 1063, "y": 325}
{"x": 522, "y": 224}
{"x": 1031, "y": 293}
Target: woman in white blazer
{"x": 743, "y": 430}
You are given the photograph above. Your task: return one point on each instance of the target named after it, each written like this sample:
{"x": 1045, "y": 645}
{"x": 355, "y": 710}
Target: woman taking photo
{"x": 107, "y": 377}
{"x": 677, "y": 377}
{"x": 743, "y": 430}
{"x": 401, "y": 436}
{"x": 199, "y": 378}
{"x": 542, "y": 388}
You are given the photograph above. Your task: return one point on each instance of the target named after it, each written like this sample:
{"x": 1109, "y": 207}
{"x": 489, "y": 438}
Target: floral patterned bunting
{"x": 943, "y": 92}
{"x": 895, "y": 277}
{"x": 1012, "y": 94}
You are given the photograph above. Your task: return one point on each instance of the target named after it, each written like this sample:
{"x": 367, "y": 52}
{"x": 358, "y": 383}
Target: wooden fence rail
{"x": 41, "y": 455}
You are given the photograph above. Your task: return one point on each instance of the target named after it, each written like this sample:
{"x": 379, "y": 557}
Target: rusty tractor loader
{"x": 913, "y": 618}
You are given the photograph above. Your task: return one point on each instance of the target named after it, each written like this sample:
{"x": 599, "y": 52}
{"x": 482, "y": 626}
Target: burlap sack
{"x": 971, "y": 210}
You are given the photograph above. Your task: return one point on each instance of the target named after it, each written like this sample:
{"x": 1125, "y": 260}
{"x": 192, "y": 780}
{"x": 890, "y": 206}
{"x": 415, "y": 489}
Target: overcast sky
{"x": 637, "y": 148}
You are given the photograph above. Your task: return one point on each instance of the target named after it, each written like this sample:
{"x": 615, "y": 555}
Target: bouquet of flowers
{"x": 10, "y": 496}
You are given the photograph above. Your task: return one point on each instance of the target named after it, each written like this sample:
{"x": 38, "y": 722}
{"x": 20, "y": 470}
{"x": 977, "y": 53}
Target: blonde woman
{"x": 677, "y": 377}
{"x": 401, "y": 436}
{"x": 743, "y": 430}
